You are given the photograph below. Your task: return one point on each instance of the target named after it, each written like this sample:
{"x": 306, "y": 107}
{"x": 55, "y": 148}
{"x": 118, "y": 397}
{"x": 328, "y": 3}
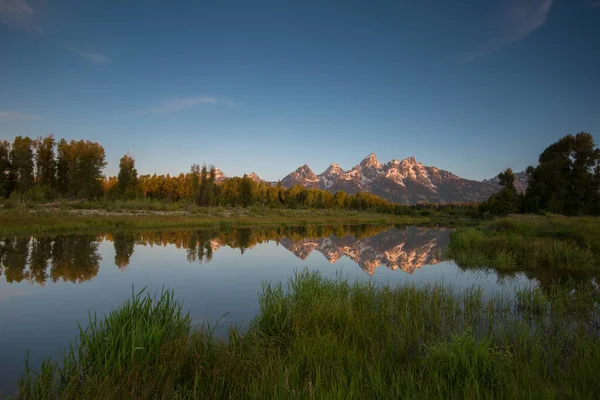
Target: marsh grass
{"x": 529, "y": 243}
{"x": 23, "y": 221}
{"x": 317, "y": 338}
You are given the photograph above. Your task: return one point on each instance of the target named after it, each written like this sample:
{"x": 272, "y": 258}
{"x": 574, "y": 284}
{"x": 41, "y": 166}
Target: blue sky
{"x": 268, "y": 86}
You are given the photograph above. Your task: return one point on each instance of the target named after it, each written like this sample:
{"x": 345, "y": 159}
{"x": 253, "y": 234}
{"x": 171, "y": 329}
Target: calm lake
{"x": 49, "y": 283}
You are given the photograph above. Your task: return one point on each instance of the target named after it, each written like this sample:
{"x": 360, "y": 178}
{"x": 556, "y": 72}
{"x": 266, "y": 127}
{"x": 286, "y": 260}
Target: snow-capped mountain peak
{"x": 334, "y": 167}
{"x": 304, "y": 169}
{"x": 371, "y": 161}
{"x": 406, "y": 181}
{"x": 409, "y": 161}
{"x": 303, "y": 175}
{"x": 330, "y": 175}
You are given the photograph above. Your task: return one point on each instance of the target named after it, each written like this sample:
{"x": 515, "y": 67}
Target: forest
{"x": 565, "y": 181}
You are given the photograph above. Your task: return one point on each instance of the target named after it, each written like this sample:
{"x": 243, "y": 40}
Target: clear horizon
{"x": 267, "y": 87}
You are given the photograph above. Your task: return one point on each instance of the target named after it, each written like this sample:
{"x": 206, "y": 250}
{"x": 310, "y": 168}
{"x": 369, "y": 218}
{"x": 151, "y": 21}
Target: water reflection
{"x": 406, "y": 249}
{"x": 37, "y": 260}
{"x": 75, "y": 258}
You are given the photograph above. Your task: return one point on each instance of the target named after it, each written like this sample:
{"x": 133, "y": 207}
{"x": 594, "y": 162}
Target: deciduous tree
{"x": 563, "y": 181}
{"x": 127, "y": 178}
{"x": 22, "y": 165}
{"x": 45, "y": 162}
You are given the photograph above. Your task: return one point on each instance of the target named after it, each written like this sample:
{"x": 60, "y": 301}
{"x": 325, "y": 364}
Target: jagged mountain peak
{"x": 334, "y": 167}
{"x": 304, "y": 168}
{"x": 331, "y": 175}
{"x": 409, "y": 161}
{"x": 303, "y": 175}
{"x": 370, "y": 160}
{"x": 407, "y": 181}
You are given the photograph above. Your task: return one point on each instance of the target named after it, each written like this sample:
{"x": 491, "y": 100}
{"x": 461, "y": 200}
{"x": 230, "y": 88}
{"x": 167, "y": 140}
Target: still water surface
{"x": 47, "y": 284}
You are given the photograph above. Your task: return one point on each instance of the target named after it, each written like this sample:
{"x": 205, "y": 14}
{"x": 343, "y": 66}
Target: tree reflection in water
{"x": 75, "y": 258}
{"x": 70, "y": 258}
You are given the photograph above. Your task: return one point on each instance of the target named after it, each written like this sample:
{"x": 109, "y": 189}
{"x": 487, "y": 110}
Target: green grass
{"x": 326, "y": 339}
{"x": 519, "y": 243}
{"x": 35, "y": 221}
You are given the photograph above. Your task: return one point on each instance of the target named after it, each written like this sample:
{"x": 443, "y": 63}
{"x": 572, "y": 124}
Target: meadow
{"x": 60, "y": 220}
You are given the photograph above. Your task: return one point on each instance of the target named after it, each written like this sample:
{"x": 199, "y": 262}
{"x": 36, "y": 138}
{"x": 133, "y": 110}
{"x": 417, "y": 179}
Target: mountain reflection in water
{"x": 75, "y": 258}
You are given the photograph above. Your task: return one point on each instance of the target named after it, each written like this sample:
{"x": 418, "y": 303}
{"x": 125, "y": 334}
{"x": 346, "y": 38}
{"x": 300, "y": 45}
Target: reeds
{"x": 529, "y": 243}
{"x": 317, "y": 338}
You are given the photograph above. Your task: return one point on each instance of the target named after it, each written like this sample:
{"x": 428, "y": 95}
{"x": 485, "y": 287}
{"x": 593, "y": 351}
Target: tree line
{"x": 44, "y": 169}
{"x": 75, "y": 258}
{"x": 565, "y": 181}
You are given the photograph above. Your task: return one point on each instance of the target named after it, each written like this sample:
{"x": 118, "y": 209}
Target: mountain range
{"x": 405, "y": 249}
{"x": 407, "y": 181}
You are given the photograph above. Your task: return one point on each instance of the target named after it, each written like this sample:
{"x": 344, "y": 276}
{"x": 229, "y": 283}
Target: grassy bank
{"x": 33, "y": 221}
{"x": 315, "y": 339}
{"x": 529, "y": 242}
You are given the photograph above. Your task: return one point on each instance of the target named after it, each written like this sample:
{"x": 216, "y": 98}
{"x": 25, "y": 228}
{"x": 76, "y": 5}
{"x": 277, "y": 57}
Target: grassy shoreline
{"x": 38, "y": 221}
{"x": 529, "y": 242}
{"x": 316, "y": 338}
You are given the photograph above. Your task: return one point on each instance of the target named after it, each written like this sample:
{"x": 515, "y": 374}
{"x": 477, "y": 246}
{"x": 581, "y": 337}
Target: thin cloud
{"x": 17, "y": 115}
{"x": 593, "y": 4}
{"x": 94, "y": 57}
{"x": 179, "y": 104}
{"x": 521, "y": 19}
{"x": 19, "y": 14}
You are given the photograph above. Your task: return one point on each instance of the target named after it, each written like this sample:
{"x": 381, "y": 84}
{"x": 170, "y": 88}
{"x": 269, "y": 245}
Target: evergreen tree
{"x": 127, "y": 178}
{"x": 507, "y": 200}
{"x": 22, "y": 166}
{"x": 507, "y": 179}
{"x": 280, "y": 193}
{"x": 195, "y": 183}
{"x": 203, "y": 195}
{"x": 211, "y": 194}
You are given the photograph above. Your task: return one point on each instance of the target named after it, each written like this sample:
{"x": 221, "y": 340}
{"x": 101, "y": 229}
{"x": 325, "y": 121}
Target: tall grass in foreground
{"x": 317, "y": 338}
